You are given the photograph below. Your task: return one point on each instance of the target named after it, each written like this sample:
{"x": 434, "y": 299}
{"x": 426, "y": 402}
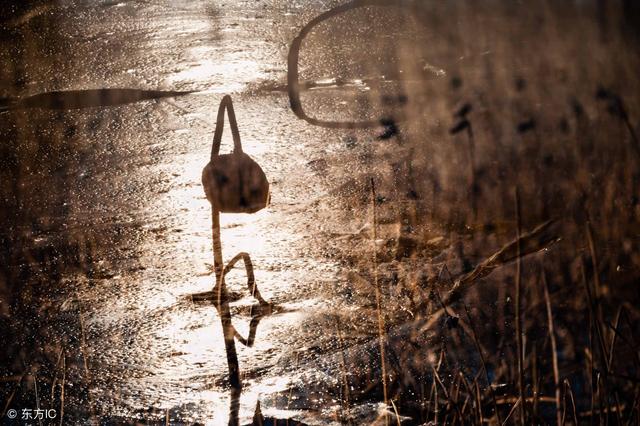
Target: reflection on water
{"x": 74, "y": 99}
{"x": 383, "y": 44}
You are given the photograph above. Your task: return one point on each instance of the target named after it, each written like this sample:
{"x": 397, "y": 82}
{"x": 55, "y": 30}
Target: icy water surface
{"x": 132, "y": 194}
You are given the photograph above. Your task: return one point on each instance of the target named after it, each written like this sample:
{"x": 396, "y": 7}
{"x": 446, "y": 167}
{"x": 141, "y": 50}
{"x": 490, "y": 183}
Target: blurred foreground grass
{"x": 550, "y": 111}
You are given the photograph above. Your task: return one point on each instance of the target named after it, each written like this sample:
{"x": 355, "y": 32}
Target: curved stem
{"x": 223, "y": 305}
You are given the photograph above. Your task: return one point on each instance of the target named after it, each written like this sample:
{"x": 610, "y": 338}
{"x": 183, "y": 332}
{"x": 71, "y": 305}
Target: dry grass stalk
{"x": 483, "y": 363}
{"x": 345, "y": 379}
{"x": 395, "y": 410}
{"x": 64, "y": 378}
{"x": 554, "y": 348}
{"x": 35, "y": 388}
{"x": 513, "y": 409}
{"x": 55, "y": 377}
{"x": 568, "y": 390}
{"x": 595, "y": 324}
{"x": 614, "y": 335}
{"x": 470, "y": 395}
{"x": 538, "y": 239}
{"x": 381, "y": 325}
{"x": 594, "y": 261}
{"x": 85, "y": 362}
{"x": 446, "y": 394}
{"x": 519, "y": 331}
{"x": 479, "y": 402}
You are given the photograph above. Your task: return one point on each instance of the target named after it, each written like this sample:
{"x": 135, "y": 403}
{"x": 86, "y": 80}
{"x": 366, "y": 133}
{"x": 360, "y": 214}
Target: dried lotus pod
{"x": 233, "y": 183}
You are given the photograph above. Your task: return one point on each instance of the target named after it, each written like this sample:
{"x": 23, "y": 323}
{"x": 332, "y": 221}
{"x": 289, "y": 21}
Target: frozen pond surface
{"x": 148, "y": 347}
